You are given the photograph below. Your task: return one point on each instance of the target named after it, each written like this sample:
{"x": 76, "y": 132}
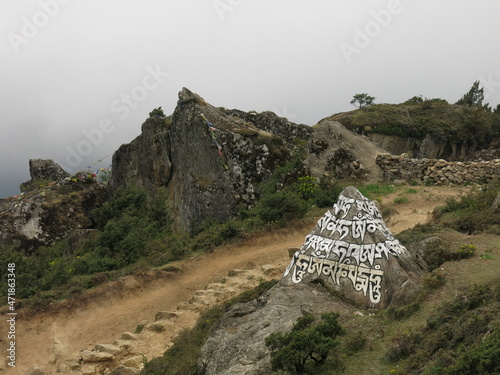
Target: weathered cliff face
{"x": 430, "y": 147}
{"x": 208, "y": 159}
{"x": 146, "y": 160}
{"x": 292, "y": 133}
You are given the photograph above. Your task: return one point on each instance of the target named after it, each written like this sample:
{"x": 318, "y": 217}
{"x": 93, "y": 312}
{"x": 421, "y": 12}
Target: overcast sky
{"x": 79, "y": 77}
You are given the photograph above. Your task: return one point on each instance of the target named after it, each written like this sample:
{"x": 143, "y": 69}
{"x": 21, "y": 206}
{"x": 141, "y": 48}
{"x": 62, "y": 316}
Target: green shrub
{"x": 281, "y": 207}
{"x": 354, "y": 342}
{"x": 403, "y": 345}
{"x": 473, "y": 213}
{"x": 307, "y": 187}
{"x": 305, "y": 343}
{"x": 463, "y": 252}
{"x": 434, "y": 280}
{"x": 400, "y": 200}
{"x": 402, "y": 312}
{"x": 328, "y": 193}
{"x": 483, "y": 357}
{"x": 157, "y": 112}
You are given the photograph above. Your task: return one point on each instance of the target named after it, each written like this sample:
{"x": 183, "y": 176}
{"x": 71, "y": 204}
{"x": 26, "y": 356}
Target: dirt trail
{"x": 103, "y": 321}
{"x": 203, "y": 281}
{"x": 421, "y": 201}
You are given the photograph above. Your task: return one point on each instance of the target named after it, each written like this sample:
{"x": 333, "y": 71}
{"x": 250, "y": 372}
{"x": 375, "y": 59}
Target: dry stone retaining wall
{"x": 438, "y": 171}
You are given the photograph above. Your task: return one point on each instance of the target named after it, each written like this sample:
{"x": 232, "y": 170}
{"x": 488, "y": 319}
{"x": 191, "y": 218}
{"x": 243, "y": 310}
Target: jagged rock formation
{"x": 350, "y": 251}
{"x": 41, "y": 217}
{"x": 209, "y": 159}
{"x": 337, "y": 152}
{"x": 272, "y": 123}
{"x": 43, "y": 170}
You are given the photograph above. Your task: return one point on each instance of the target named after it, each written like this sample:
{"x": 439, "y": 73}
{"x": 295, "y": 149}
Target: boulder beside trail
{"x": 352, "y": 251}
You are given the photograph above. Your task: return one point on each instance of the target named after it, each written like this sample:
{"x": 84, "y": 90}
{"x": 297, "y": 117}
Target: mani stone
{"x": 352, "y": 251}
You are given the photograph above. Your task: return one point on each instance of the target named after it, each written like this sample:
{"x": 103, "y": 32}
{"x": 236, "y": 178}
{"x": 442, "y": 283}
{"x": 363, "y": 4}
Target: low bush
{"x": 281, "y": 207}
{"x": 400, "y": 200}
{"x": 305, "y": 344}
{"x": 473, "y": 213}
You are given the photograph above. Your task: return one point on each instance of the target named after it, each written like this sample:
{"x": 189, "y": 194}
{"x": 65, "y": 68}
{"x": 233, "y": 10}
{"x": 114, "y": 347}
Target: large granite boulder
{"x": 352, "y": 251}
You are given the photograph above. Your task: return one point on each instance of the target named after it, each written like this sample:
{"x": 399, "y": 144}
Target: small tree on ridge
{"x": 362, "y": 100}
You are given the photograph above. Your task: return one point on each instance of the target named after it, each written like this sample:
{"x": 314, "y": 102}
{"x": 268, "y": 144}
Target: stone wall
{"x": 438, "y": 171}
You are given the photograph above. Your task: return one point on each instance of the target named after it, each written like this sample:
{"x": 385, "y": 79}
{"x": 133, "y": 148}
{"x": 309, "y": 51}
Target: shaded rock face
{"x": 237, "y": 343}
{"x": 41, "y": 217}
{"x": 146, "y": 160}
{"x": 44, "y": 170}
{"x": 209, "y": 161}
{"x": 352, "y": 251}
{"x": 335, "y": 151}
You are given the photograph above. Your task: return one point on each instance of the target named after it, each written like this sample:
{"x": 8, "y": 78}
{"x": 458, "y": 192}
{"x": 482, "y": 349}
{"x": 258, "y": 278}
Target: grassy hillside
{"x": 448, "y": 122}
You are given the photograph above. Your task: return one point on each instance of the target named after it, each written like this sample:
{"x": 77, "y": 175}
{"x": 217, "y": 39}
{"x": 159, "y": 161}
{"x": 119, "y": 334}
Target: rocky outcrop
{"x": 438, "y": 171}
{"x": 237, "y": 343}
{"x": 430, "y": 147}
{"x": 270, "y": 122}
{"x": 336, "y": 152}
{"x": 42, "y": 171}
{"x": 43, "y": 216}
{"x": 209, "y": 161}
{"x": 485, "y": 155}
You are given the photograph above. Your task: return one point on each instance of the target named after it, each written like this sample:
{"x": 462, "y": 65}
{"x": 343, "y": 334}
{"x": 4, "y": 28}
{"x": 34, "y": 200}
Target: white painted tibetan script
{"x": 348, "y": 243}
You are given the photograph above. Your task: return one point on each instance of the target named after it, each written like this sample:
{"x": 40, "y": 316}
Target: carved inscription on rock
{"x": 350, "y": 242}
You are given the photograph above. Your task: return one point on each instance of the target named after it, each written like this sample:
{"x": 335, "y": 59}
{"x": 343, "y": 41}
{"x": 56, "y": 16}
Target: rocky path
{"x": 104, "y": 332}
{"x": 55, "y": 342}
